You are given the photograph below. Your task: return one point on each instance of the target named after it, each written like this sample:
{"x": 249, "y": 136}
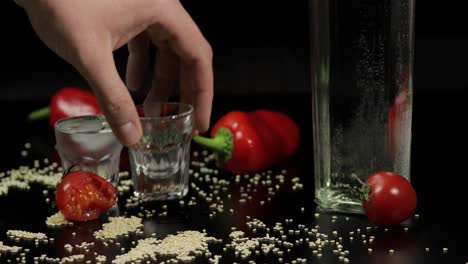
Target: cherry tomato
{"x": 83, "y": 196}
{"x": 391, "y": 199}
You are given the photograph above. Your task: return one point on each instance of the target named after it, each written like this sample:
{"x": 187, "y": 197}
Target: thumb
{"x": 113, "y": 96}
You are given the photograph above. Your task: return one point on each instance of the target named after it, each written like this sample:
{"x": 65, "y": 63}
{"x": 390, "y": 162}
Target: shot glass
{"x": 87, "y": 143}
{"x": 160, "y": 161}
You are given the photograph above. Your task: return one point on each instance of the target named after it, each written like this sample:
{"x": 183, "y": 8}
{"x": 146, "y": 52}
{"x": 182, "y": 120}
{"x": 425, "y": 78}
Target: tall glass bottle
{"x": 362, "y": 63}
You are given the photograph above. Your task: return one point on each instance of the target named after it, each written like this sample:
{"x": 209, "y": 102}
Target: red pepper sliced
{"x": 247, "y": 142}
{"x": 68, "y": 102}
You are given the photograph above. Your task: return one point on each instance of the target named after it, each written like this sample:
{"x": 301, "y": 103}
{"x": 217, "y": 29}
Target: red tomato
{"x": 83, "y": 196}
{"x": 392, "y": 199}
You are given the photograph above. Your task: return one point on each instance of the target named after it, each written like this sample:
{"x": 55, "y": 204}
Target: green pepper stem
{"x": 221, "y": 143}
{"x": 364, "y": 192}
{"x": 215, "y": 144}
{"x": 39, "y": 113}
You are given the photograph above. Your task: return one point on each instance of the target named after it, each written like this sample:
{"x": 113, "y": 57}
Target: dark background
{"x": 259, "y": 47}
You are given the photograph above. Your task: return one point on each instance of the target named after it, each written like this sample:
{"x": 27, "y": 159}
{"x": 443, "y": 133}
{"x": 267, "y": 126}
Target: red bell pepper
{"x": 397, "y": 115}
{"x": 248, "y": 142}
{"x": 68, "y": 102}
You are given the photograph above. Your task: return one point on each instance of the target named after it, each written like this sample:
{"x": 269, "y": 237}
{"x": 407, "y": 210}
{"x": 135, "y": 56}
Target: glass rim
{"x": 169, "y": 117}
{"x": 61, "y": 130}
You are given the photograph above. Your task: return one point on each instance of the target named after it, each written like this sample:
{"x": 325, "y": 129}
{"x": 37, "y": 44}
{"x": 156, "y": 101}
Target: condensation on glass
{"x": 88, "y": 143}
{"x": 362, "y": 63}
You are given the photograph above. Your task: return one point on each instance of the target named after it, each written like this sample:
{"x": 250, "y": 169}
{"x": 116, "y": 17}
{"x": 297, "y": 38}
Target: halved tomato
{"x": 84, "y": 195}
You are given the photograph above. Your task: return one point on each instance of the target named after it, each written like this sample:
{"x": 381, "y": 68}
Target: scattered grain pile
{"x": 22, "y": 177}
{"x": 9, "y": 249}
{"x": 182, "y": 247}
{"x": 119, "y": 226}
{"x": 209, "y": 190}
{"x": 25, "y": 235}
{"x": 57, "y": 220}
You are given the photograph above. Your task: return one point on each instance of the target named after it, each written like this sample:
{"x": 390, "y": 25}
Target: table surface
{"x": 438, "y": 175}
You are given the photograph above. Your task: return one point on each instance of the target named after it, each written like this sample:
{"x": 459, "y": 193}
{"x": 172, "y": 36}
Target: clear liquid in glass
{"x": 362, "y": 95}
{"x": 87, "y": 143}
{"x": 160, "y": 171}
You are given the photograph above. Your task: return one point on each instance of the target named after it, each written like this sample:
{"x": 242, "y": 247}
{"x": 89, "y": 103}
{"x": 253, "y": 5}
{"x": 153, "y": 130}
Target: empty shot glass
{"x": 160, "y": 161}
{"x": 88, "y": 143}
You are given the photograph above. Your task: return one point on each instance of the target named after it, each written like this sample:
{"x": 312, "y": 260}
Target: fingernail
{"x": 129, "y": 133}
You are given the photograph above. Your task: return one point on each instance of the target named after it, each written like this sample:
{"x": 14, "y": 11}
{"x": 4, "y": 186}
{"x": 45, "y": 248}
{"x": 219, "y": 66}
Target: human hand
{"x": 86, "y": 32}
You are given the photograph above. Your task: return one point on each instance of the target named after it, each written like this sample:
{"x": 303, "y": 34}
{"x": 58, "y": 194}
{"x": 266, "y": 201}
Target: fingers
{"x": 98, "y": 67}
{"x": 166, "y": 73}
{"x": 195, "y": 60}
{"x": 197, "y": 89}
{"x": 138, "y": 61}
{"x": 201, "y": 99}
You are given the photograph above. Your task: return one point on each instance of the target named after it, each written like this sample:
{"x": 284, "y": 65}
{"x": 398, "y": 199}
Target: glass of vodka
{"x": 160, "y": 161}
{"x": 88, "y": 143}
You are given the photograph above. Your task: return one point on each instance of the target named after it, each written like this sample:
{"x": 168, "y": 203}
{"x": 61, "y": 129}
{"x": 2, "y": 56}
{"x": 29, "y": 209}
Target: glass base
{"x": 336, "y": 200}
{"x": 161, "y": 196}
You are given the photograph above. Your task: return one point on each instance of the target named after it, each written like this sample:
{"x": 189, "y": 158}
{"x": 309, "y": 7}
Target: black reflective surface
{"x": 438, "y": 175}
